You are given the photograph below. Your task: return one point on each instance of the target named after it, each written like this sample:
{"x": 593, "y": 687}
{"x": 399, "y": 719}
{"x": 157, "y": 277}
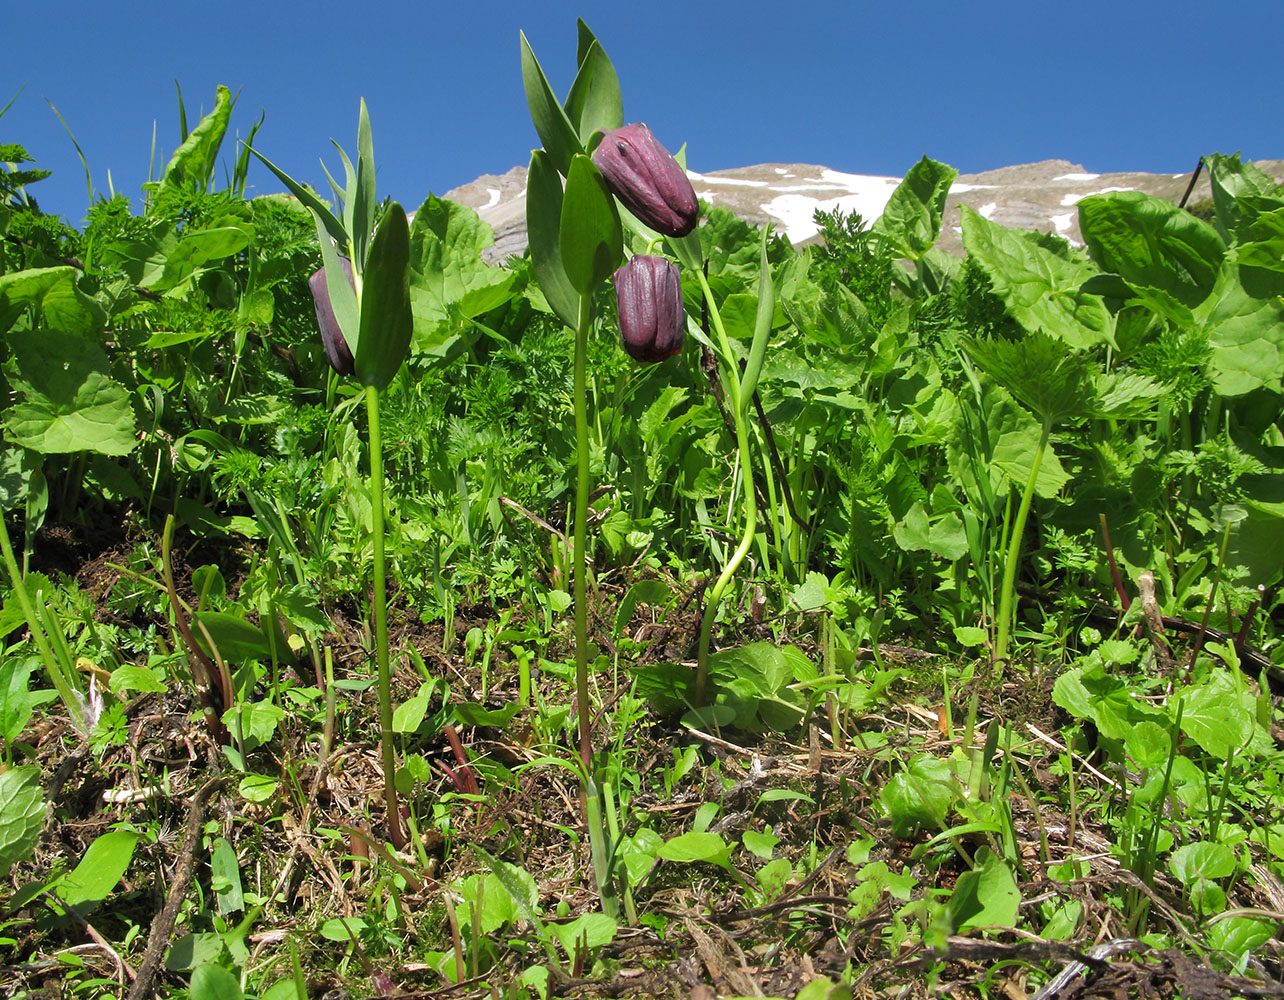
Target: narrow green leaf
{"x": 594, "y": 101}
{"x": 543, "y": 229}
{"x": 386, "y": 319}
{"x": 243, "y": 159}
{"x": 309, "y": 199}
{"x": 590, "y": 235}
{"x": 343, "y": 297}
{"x": 555, "y": 130}
{"x": 761, "y": 328}
{"x": 363, "y": 208}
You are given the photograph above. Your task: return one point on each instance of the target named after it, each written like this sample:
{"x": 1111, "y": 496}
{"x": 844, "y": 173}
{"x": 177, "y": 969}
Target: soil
{"x": 701, "y": 935}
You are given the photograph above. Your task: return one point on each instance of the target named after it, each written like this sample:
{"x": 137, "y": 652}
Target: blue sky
{"x": 862, "y": 88}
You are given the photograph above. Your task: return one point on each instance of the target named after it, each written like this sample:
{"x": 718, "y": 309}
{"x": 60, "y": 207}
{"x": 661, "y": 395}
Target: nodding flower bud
{"x": 647, "y": 179}
{"x": 648, "y": 298}
{"x": 336, "y": 347}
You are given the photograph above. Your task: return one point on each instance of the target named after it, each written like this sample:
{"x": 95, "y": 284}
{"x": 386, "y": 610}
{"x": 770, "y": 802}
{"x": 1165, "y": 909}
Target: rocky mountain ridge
{"x": 1036, "y": 196}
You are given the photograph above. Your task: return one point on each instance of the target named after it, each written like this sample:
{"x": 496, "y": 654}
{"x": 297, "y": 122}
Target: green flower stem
{"x": 581, "y": 532}
{"x": 737, "y": 406}
{"x": 381, "y": 620}
{"x": 1014, "y": 552}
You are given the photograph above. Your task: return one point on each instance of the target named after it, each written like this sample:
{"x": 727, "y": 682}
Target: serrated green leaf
{"x": 1244, "y": 333}
{"x": 131, "y": 677}
{"x": 1040, "y": 290}
{"x": 1042, "y": 372}
{"x": 1220, "y": 719}
{"x": 1201, "y": 859}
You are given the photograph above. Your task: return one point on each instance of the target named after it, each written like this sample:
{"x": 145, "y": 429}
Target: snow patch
{"x": 866, "y": 195}
{"x": 494, "y": 194}
{"x": 987, "y": 210}
{"x": 1077, "y": 177}
{"x": 730, "y": 181}
{"x": 1074, "y": 199}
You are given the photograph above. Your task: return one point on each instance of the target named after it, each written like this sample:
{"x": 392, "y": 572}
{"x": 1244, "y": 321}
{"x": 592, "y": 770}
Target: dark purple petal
{"x": 647, "y": 180}
{"x": 336, "y": 347}
{"x": 648, "y": 298}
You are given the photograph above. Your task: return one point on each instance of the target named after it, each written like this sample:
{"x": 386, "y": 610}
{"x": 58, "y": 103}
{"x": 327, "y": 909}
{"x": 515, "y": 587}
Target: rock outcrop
{"x": 1038, "y": 196}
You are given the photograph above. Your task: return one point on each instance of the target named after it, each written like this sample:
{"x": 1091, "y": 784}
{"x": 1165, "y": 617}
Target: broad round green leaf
{"x": 22, "y": 813}
{"x": 69, "y": 402}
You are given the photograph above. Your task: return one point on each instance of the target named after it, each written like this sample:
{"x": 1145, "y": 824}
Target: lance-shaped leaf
{"x": 762, "y": 326}
{"x": 912, "y": 219}
{"x": 589, "y": 231}
{"x": 594, "y": 101}
{"x": 193, "y": 162}
{"x": 342, "y": 294}
{"x": 386, "y": 318}
{"x": 555, "y": 129}
{"x": 320, "y": 209}
{"x": 1151, "y": 243}
{"x": 543, "y": 229}
{"x": 1040, "y": 290}
{"x": 362, "y": 198}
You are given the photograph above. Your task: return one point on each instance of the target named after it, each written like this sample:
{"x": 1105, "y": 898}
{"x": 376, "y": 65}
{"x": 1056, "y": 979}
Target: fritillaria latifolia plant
{"x": 592, "y": 176}
{"x": 362, "y": 298}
